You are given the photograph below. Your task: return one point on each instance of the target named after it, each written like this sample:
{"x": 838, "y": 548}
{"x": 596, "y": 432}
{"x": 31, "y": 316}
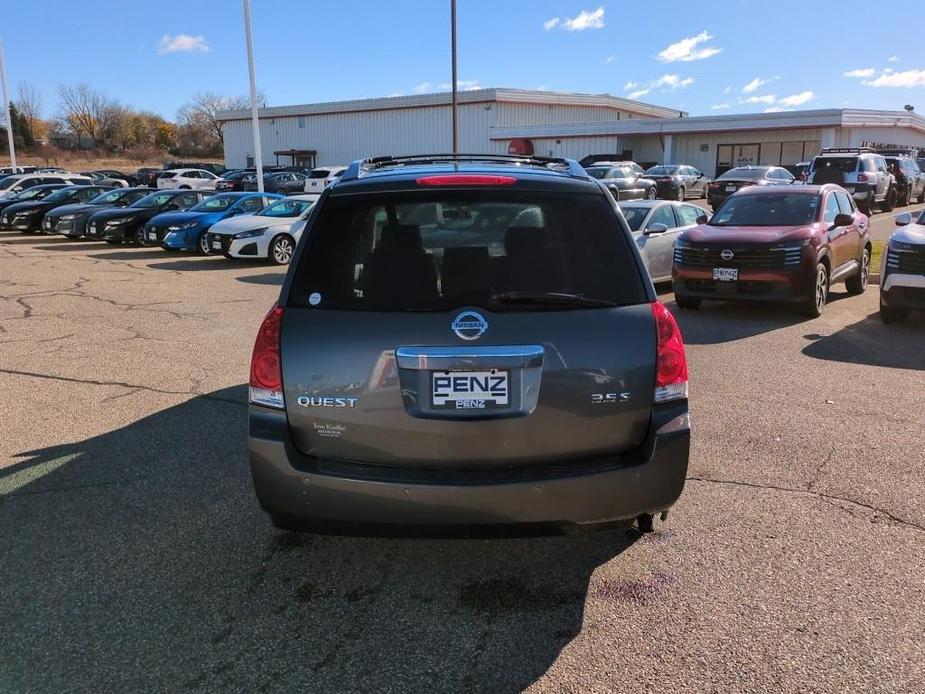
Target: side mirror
{"x": 656, "y": 228}
{"x": 702, "y": 219}
{"x": 699, "y": 175}
{"x": 903, "y": 219}
{"x": 843, "y": 220}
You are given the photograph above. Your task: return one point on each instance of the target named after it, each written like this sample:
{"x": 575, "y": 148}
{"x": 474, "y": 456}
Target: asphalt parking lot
{"x": 135, "y": 558}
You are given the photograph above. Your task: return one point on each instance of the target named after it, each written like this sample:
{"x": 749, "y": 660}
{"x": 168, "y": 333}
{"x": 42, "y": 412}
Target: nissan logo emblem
{"x": 726, "y": 254}
{"x": 469, "y": 325}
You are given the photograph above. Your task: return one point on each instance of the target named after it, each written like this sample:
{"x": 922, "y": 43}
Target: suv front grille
{"x": 910, "y": 261}
{"x": 706, "y": 256}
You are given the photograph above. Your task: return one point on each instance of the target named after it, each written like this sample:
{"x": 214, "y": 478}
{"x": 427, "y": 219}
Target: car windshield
{"x": 285, "y": 208}
{"x": 843, "y": 164}
{"x": 634, "y": 216}
{"x": 216, "y": 203}
{"x": 663, "y": 170}
{"x": 742, "y": 173}
{"x": 104, "y": 198}
{"x": 767, "y": 210}
{"x": 153, "y": 200}
{"x": 439, "y": 250}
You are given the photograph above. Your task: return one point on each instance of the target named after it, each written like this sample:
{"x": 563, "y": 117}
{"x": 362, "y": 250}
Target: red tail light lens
{"x": 671, "y": 363}
{"x": 466, "y": 180}
{"x": 862, "y": 178}
{"x": 266, "y": 383}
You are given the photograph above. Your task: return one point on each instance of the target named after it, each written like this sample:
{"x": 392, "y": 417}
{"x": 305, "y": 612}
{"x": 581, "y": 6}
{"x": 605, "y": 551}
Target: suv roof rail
{"x": 898, "y": 151}
{"x": 362, "y": 167}
{"x": 847, "y": 150}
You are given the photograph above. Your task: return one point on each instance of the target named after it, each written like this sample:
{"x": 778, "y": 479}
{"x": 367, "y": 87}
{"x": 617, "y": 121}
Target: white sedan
{"x": 271, "y": 233}
{"x": 186, "y": 179}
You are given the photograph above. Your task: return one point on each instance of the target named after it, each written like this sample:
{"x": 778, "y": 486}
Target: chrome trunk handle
{"x": 462, "y": 357}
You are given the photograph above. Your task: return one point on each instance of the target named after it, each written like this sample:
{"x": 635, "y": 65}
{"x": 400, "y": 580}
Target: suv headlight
{"x": 252, "y": 233}
{"x": 181, "y": 227}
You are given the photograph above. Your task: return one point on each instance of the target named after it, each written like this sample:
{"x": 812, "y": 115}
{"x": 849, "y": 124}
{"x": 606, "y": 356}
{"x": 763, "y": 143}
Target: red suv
{"x": 775, "y": 245}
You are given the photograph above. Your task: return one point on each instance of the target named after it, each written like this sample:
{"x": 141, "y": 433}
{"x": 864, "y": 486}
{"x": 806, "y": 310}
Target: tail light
{"x": 671, "y": 363}
{"x": 266, "y": 383}
{"x": 862, "y": 178}
{"x": 466, "y": 180}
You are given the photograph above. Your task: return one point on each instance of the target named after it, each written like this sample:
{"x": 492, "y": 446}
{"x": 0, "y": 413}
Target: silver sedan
{"x": 656, "y": 225}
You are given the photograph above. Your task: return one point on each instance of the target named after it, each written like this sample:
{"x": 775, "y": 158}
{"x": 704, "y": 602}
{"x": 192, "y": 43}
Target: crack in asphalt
{"x": 827, "y": 498}
{"x": 121, "y": 384}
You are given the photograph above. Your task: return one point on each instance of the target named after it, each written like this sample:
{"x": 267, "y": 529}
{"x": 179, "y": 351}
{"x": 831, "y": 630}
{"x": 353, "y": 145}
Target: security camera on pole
{"x": 6, "y": 109}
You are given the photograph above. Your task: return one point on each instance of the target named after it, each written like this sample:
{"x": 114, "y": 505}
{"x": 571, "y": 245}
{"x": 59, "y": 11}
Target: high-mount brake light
{"x": 671, "y": 363}
{"x": 266, "y": 382}
{"x": 466, "y": 180}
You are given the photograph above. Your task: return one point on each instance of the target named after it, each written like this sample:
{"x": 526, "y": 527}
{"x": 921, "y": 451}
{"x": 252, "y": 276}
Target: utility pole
{"x": 255, "y": 122}
{"x": 453, "y": 52}
{"x": 6, "y": 109}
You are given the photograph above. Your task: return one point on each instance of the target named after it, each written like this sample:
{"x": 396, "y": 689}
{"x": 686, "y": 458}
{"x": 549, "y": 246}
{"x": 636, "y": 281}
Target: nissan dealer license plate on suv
{"x": 470, "y": 390}
{"x": 725, "y": 274}
{"x": 217, "y": 244}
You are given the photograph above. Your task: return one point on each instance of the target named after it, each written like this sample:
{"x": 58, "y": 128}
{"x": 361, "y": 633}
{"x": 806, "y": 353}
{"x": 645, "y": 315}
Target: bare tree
{"x": 202, "y": 111}
{"x": 30, "y": 105}
{"x": 84, "y": 109}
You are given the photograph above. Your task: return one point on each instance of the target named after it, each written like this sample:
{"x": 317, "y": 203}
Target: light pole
{"x": 255, "y": 122}
{"x": 6, "y": 109}
{"x": 453, "y": 52}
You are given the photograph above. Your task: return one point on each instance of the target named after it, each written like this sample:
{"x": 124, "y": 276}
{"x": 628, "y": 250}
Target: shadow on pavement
{"x": 132, "y": 253}
{"x": 271, "y": 278}
{"x": 69, "y": 245}
{"x": 189, "y": 261}
{"x": 139, "y": 559}
{"x": 873, "y": 343}
{"x": 716, "y": 322}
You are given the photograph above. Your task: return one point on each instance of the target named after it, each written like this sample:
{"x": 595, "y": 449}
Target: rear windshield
{"x": 767, "y": 210}
{"x": 744, "y": 174}
{"x": 663, "y": 170}
{"x": 843, "y": 164}
{"x": 440, "y": 250}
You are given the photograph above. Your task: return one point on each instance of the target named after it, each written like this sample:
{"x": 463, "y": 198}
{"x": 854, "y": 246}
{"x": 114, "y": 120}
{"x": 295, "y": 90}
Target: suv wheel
{"x": 819, "y": 294}
{"x": 651, "y": 193}
{"x": 902, "y": 199}
{"x": 867, "y": 204}
{"x": 922, "y": 196}
{"x": 893, "y": 314}
{"x": 687, "y": 302}
{"x": 889, "y": 202}
{"x": 857, "y": 283}
{"x": 681, "y": 194}
{"x": 202, "y": 244}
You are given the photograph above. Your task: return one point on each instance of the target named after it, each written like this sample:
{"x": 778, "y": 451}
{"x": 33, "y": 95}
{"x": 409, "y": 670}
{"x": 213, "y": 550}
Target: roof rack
{"x": 846, "y": 150}
{"x": 362, "y": 167}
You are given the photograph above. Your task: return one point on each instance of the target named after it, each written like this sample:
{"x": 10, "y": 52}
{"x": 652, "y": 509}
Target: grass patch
{"x": 877, "y": 248}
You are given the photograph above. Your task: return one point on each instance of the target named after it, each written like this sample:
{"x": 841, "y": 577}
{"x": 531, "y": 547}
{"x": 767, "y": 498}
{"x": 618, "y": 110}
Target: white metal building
{"x": 556, "y": 124}
{"x": 340, "y": 132}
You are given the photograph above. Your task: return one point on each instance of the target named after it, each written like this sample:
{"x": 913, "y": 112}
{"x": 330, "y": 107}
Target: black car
{"x": 27, "y": 216}
{"x": 234, "y": 181}
{"x": 71, "y": 220}
{"x": 284, "y": 183}
{"x": 124, "y": 224}
{"x": 147, "y": 176}
{"x": 678, "y": 181}
{"x": 743, "y": 176}
{"x": 623, "y": 182}
{"x": 35, "y": 193}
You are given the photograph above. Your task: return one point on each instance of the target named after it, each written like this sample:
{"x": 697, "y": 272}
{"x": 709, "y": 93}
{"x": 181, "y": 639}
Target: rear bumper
{"x": 297, "y": 487}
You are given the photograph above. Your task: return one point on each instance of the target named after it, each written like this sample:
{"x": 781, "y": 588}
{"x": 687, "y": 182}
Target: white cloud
{"x": 860, "y": 72}
{"x": 541, "y": 88}
{"x": 585, "y": 20}
{"x": 551, "y": 23}
{"x": 797, "y": 99}
{"x": 630, "y": 85}
{"x": 638, "y": 93}
{"x": 727, "y": 90}
{"x": 907, "y": 78}
{"x": 765, "y": 99}
{"x": 720, "y": 107}
{"x": 610, "y": 59}
{"x": 687, "y": 49}
{"x": 776, "y": 109}
{"x": 423, "y": 88}
{"x": 182, "y": 43}
{"x": 672, "y": 81}
{"x": 461, "y": 85}
{"x": 893, "y": 59}
{"x": 753, "y": 85}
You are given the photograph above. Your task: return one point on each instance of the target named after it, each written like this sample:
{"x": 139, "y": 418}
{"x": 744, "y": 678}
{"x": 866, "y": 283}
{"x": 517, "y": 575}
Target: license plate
{"x": 470, "y": 390}
{"x": 730, "y": 189}
{"x": 217, "y": 245}
{"x": 725, "y": 274}
{"x": 152, "y": 236}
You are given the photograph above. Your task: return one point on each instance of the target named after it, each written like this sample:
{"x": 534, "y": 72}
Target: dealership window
{"x": 301, "y": 122}
{"x": 770, "y": 154}
{"x": 791, "y": 153}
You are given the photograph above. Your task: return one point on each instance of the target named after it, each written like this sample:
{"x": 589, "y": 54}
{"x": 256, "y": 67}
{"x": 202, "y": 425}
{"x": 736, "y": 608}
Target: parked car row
{"x": 627, "y": 180}
{"x": 236, "y": 224}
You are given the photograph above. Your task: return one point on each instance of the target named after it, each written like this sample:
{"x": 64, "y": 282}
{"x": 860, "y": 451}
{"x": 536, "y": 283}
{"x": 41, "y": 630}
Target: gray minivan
{"x": 464, "y": 342}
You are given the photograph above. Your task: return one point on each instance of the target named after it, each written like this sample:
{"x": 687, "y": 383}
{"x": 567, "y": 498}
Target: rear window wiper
{"x": 551, "y": 299}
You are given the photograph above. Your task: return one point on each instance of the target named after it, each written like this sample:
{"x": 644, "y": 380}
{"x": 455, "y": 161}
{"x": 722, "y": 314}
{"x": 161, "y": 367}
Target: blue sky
{"x": 702, "y": 57}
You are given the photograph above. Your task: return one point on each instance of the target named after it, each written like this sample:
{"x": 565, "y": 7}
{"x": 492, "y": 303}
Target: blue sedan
{"x": 176, "y": 231}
